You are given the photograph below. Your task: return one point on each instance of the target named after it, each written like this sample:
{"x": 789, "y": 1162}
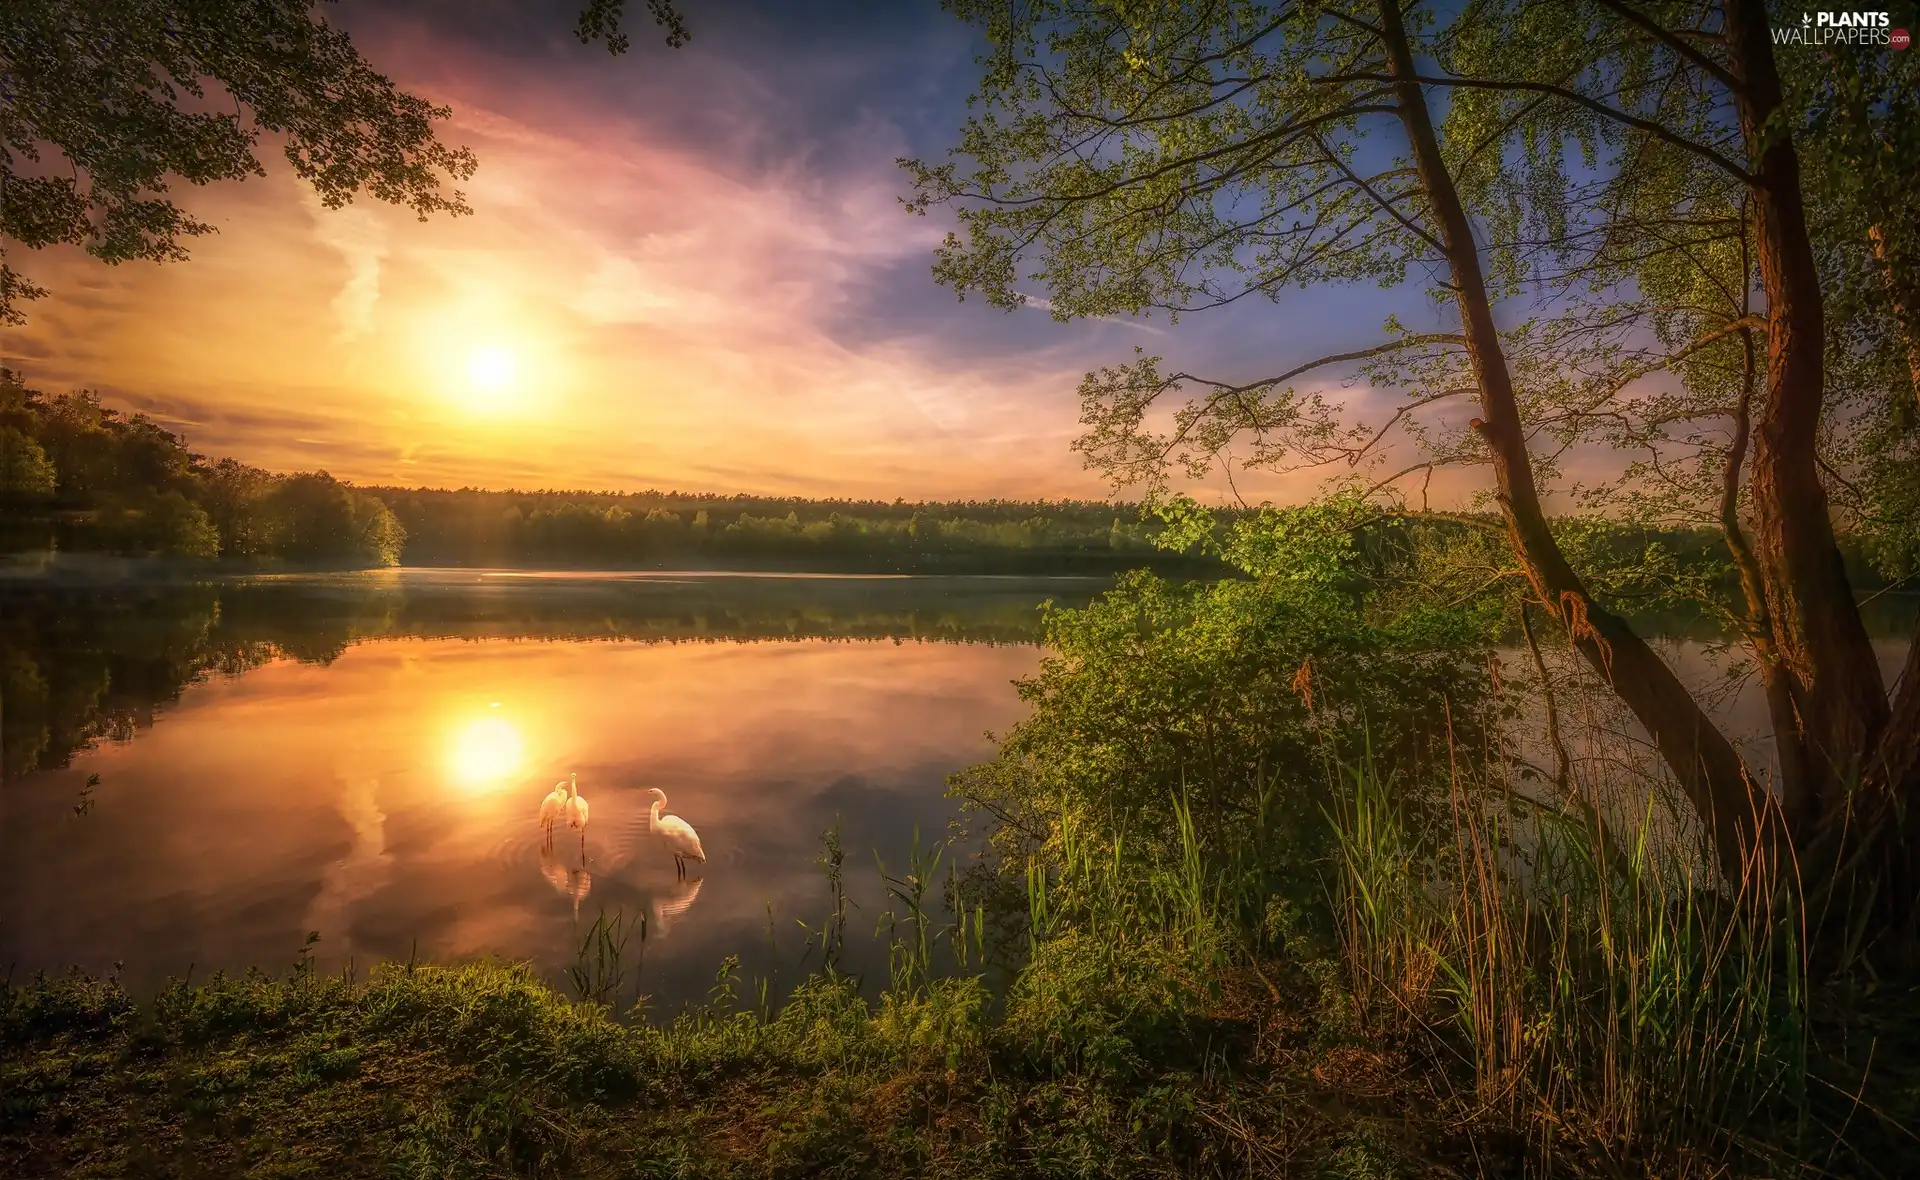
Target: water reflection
{"x": 367, "y": 758}
{"x": 485, "y": 752}
{"x": 573, "y": 880}
{"x": 665, "y": 909}
{"x": 82, "y": 662}
{"x": 573, "y": 883}
{"x": 389, "y": 797}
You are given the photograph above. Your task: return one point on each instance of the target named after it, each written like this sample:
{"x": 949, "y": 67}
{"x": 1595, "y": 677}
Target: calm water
{"x": 363, "y": 756}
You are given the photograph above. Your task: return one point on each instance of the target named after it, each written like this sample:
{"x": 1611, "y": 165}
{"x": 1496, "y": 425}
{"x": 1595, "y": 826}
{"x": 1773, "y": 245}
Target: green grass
{"x": 1451, "y": 1007}
{"x": 1430, "y": 978}
{"x": 1101, "y": 1062}
{"x": 1608, "y": 995}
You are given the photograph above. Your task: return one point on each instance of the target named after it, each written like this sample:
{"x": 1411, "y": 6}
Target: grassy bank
{"x": 1104, "y": 1068}
{"x": 1212, "y": 1012}
{"x": 1281, "y": 876}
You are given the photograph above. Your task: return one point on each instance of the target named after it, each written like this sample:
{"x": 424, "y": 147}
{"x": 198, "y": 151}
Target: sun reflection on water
{"x": 485, "y": 752}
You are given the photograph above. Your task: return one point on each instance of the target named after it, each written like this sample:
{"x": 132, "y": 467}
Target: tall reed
{"x": 1582, "y": 956}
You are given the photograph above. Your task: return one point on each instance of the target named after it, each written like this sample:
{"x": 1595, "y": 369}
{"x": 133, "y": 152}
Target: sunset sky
{"x": 686, "y": 269}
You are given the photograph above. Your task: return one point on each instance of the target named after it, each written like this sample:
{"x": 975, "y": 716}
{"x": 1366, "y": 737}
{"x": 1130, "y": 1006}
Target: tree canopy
{"x": 1635, "y": 218}
{"x": 78, "y": 474}
{"x": 107, "y": 105}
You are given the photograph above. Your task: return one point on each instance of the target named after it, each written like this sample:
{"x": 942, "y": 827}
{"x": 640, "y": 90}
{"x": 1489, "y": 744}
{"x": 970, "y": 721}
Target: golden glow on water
{"x": 485, "y": 753}
{"x": 390, "y": 800}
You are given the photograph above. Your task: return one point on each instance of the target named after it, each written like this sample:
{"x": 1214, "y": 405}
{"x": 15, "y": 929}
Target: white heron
{"x": 553, "y": 809}
{"x": 676, "y": 833}
{"x": 577, "y": 812}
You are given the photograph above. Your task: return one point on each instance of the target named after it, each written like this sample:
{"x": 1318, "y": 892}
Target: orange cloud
{"x": 702, "y": 296}
{"x": 671, "y": 320}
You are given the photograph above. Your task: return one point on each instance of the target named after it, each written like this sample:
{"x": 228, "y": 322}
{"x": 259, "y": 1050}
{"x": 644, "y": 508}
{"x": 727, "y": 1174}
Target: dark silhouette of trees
{"x": 78, "y": 475}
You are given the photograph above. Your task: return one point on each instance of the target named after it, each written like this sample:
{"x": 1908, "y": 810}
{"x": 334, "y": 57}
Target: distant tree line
{"x": 556, "y": 528}
{"x": 76, "y": 475}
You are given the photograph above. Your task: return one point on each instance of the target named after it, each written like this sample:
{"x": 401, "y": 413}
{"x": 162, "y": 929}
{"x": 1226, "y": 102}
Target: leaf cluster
{"x": 106, "y": 104}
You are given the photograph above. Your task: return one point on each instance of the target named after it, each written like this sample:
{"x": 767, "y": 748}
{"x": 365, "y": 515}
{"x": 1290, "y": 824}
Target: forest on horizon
{"x": 79, "y": 476}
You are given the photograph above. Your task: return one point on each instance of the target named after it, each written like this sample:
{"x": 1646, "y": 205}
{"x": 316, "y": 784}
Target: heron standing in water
{"x": 565, "y": 802}
{"x": 577, "y": 813}
{"x": 553, "y": 809}
{"x": 676, "y": 833}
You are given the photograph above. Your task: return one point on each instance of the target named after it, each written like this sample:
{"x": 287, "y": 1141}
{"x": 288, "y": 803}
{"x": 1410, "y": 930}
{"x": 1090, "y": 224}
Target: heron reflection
{"x": 573, "y": 883}
{"x": 565, "y": 805}
{"x": 664, "y": 911}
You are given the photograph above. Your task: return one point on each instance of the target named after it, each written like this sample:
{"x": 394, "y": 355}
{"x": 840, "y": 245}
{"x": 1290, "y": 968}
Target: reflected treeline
{"x": 81, "y": 663}
{"x": 76, "y": 666}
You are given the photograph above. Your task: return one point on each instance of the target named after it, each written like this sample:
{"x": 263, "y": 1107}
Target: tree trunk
{"x": 1736, "y": 814}
{"x": 1822, "y": 642}
{"x": 1894, "y": 767}
{"x": 1797, "y": 799}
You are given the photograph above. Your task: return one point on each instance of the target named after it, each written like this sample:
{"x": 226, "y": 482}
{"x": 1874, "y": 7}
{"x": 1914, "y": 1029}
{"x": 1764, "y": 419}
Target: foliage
{"x": 322, "y": 520}
{"x": 110, "y": 102}
{"x": 1629, "y": 264}
{"x": 1859, "y": 135}
{"x": 25, "y": 473}
{"x": 478, "y": 1070}
{"x": 92, "y": 478}
{"x": 1387, "y": 952}
{"x": 1223, "y": 693}
{"x": 600, "y": 20}
{"x": 578, "y": 528}
{"x": 124, "y": 484}
{"x": 1575, "y": 952}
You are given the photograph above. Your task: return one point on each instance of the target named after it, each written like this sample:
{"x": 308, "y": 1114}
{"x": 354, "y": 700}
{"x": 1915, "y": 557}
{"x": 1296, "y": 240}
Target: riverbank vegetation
{"x": 1651, "y": 243}
{"x": 1287, "y": 874}
{"x": 1294, "y": 872}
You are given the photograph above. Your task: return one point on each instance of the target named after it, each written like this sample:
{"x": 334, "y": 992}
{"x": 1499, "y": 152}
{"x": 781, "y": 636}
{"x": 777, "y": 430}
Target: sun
{"x": 487, "y": 364}
{"x": 491, "y": 373}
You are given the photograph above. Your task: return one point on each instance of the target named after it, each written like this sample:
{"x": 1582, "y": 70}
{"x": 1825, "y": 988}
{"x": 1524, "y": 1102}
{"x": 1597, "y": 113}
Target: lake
{"x": 363, "y": 755}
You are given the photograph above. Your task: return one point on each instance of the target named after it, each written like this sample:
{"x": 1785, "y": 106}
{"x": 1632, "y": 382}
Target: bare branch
{"x": 1714, "y": 69}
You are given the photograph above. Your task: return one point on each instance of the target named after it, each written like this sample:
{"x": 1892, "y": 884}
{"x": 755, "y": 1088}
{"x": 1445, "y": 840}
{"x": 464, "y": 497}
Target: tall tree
{"x": 1701, "y": 86}
{"x": 1177, "y": 157}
